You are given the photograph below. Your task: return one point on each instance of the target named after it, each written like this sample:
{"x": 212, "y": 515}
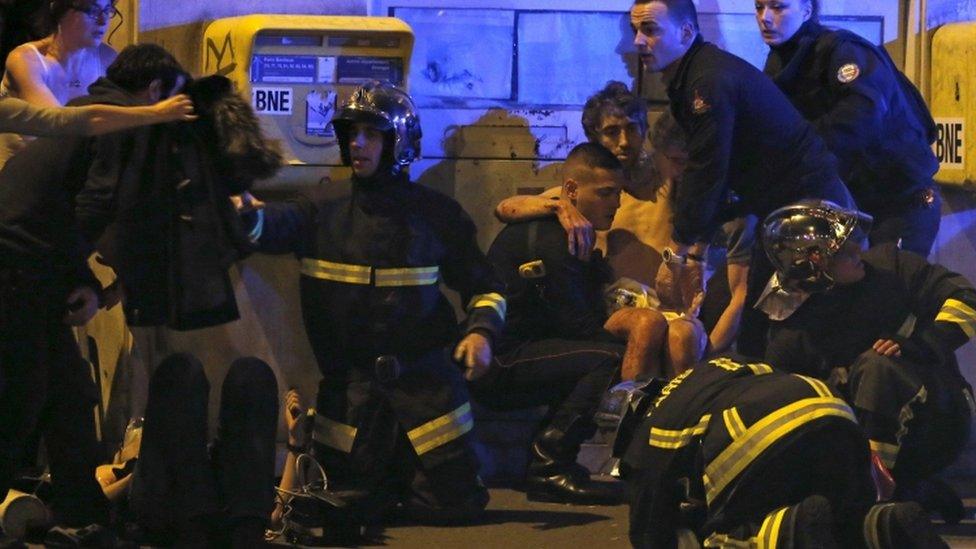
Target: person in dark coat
{"x": 743, "y": 136}
{"x": 871, "y": 117}
{"x": 46, "y": 288}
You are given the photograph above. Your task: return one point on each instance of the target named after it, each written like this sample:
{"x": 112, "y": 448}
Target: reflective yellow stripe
{"x": 760, "y": 368}
{"x": 957, "y": 312}
{"x": 818, "y": 386}
{"x": 734, "y": 423}
{"x": 440, "y": 431}
{"x": 726, "y": 364}
{"x": 493, "y": 300}
{"x": 333, "y": 434}
{"x": 766, "y": 432}
{"x": 768, "y": 535}
{"x": 407, "y": 276}
{"x": 336, "y": 272}
{"x": 886, "y": 451}
{"x": 672, "y": 385}
{"x": 674, "y": 439}
{"x": 361, "y": 274}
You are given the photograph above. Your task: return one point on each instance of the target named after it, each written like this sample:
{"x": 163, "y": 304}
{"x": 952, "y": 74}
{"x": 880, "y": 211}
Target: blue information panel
{"x": 284, "y": 69}
{"x": 357, "y": 70}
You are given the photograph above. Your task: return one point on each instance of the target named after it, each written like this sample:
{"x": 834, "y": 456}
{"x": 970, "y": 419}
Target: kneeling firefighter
{"x": 733, "y": 453}
{"x": 392, "y": 410}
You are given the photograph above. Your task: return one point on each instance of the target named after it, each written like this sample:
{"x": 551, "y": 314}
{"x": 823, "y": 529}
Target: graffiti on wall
{"x": 223, "y": 65}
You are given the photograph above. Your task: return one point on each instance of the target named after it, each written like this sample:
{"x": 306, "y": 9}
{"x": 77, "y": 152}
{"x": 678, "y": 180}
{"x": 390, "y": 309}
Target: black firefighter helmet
{"x": 388, "y": 109}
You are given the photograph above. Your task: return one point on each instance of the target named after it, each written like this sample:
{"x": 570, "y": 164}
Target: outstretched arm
{"x": 102, "y": 119}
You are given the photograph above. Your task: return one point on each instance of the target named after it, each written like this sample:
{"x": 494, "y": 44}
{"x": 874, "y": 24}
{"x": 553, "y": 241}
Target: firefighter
{"x": 892, "y": 355}
{"x": 393, "y": 414}
{"x": 733, "y": 453}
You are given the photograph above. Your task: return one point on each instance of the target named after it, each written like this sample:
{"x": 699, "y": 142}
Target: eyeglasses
{"x": 94, "y": 13}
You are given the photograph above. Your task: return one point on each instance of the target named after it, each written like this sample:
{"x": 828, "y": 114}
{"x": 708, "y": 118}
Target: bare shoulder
{"x": 25, "y": 55}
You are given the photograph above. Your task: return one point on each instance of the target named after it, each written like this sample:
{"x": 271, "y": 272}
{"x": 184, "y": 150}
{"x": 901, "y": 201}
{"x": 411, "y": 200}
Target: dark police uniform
{"x": 876, "y": 123}
{"x": 915, "y": 408}
{"x": 371, "y": 265}
{"x": 729, "y": 449}
{"x": 744, "y": 136}
{"x": 554, "y": 349}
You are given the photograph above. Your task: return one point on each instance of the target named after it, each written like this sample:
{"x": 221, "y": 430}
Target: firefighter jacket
{"x": 371, "y": 263}
{"x": 707, "y": 428}
{"x": 929, "y": 310}
{"x": 743, "y": 136}
{"x": 550, "y": 293}
{"x": 871, "y": 117}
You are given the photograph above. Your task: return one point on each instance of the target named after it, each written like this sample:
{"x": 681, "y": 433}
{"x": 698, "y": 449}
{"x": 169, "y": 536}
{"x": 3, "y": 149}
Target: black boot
{"x": 935, "y": 496}
{"x": 900, "y": 526}
{"x": 555, "y": 476}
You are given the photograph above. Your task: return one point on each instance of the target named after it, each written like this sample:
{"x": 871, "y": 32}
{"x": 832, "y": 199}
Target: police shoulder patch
{"x": 848, "y": 73}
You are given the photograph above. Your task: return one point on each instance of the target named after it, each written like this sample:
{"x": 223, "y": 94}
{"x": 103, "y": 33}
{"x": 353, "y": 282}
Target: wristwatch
{"x": 674, "y": 258}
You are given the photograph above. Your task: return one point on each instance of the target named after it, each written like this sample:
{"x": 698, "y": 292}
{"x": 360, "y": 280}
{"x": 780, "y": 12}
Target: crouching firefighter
{"x": 393, "y": 416}
{"x": 893, "y": 355}
{"x": 732, "y": 453}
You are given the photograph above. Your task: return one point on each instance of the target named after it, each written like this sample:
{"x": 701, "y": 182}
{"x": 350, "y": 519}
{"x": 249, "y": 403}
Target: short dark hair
{"x": 680, "y": 11}
{"x": 138, "y": 65}
{"x": 591, "y": 156}
{"x": 614, "y": 98}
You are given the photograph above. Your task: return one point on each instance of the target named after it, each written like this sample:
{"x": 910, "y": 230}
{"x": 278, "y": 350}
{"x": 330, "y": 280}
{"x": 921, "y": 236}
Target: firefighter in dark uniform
{"x": 744, "y": 136}
{"x": 733, "y": 453}
{"x": 871, "y": 117}
{"x": 893, "y": 352}
{"x": 393, "y": 412}
{"x": 554, "y": 349}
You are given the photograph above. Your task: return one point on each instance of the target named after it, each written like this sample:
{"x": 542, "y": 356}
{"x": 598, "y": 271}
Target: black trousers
{"x": 177, "y": 480}
{"x": 402, "y": 438}
{"x": 46, "y": 386}
{"x": 569, "y": 376}
{"x": 916, "y": 415}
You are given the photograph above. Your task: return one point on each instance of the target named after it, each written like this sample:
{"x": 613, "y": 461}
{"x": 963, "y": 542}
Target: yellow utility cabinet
{"x": 953, "y": 102}
{"x": 298, "y": 68}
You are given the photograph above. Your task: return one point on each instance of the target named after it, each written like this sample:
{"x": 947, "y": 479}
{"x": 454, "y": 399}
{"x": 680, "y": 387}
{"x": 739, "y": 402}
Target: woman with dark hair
{"x": 871, "y": 117}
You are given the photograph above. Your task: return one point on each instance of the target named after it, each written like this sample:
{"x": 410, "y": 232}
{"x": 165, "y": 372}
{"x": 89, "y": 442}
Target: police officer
{"x": 393, "y": 412}
{"x": 871, "y": 117}
{"x": 555, "y": 350}
{"x": 743, "y": 136}
{"x": 893, "y": 354}
{"x": 733, "y": 453}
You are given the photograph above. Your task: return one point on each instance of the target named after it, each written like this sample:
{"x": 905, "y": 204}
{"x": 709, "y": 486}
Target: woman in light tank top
{"x": 59, "y": 67}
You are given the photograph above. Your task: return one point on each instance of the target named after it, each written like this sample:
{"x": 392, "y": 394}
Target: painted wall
{"x": 941, "y": 12}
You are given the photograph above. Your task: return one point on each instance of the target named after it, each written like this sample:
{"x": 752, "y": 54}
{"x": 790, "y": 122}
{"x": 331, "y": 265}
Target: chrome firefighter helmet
{"x": 390, "y": 110}
{"x": 800, "y": 239}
